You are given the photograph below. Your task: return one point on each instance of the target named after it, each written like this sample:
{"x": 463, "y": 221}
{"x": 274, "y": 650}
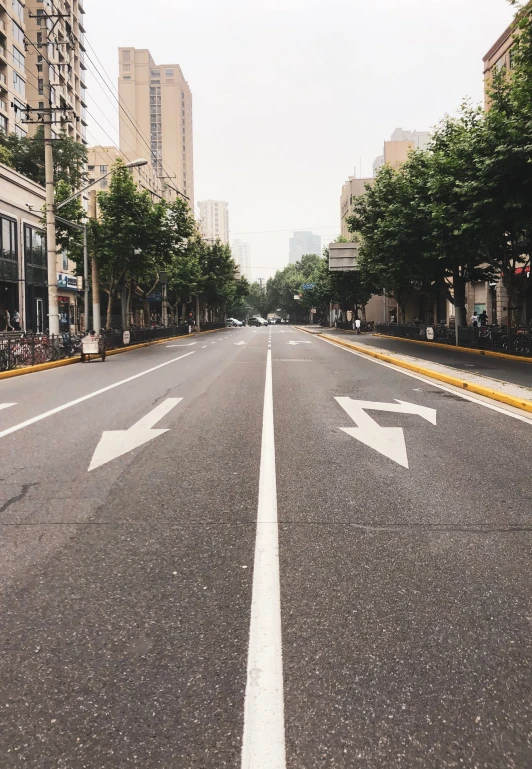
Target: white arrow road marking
{"x": 115, "y": 443}
{"x": 292, "y": 342}
{"x": 389, "y": 441}
{"x": 189, "y": 344}
{"x": 6, "y": 405}
{"x": 84, "y": 398}
{"x": 237, "y": 344}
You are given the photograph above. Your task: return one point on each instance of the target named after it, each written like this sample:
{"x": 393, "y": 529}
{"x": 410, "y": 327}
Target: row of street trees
{"x": 133, "y": 239}
{"x": 462, "y": 210}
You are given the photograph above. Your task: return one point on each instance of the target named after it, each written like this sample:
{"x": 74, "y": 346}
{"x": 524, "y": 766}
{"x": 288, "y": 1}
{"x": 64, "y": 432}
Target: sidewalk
{"x": 512, "y": 377}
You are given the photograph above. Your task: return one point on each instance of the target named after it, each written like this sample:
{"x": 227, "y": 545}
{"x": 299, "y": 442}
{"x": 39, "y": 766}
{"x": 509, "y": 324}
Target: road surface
{"x": 255, "y": 548}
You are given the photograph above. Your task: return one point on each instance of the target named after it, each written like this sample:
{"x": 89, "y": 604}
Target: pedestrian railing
{"x": 18, "y": 350}
{"x": 515, "y": 341}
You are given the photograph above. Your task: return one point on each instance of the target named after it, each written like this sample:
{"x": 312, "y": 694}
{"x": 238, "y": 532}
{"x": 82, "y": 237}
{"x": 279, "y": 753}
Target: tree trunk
{"x": 109, "y": 306}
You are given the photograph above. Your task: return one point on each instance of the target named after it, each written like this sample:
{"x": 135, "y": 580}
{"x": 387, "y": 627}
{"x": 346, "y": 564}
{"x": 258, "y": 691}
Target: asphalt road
{"x": 254, "y": 573}
{"x": 516, "y": 371}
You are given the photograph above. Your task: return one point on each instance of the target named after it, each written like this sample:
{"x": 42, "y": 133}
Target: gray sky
{"x": 289, "y": 94}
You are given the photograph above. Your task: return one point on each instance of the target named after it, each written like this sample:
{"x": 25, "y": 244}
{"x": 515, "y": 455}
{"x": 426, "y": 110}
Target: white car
{"x": 235, "y": 321}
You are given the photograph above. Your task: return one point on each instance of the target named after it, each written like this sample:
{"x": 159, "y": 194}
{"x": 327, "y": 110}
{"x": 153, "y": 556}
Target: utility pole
{"x": 47, "y": 21}
{"x": 51, "y": 247}
{"x": 96, "y": 315}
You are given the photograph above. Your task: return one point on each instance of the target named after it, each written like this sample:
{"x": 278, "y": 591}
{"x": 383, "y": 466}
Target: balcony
{"x": 3, "y": 30}
{"x": 3, "y": 82}
{"x": 3, "y": 53}
{"x": 4, "y": 107}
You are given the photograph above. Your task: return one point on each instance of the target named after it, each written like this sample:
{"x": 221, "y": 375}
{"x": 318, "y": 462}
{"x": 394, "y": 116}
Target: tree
{"x": 26, "y": 155}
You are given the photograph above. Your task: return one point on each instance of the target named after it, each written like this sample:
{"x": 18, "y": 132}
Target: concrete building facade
{"x": 100, "y": 160}
{"x": 66, "y": 54}
{"x": 242, "y": 255}
{"x": 302, "y": 243}
{"x": 214, "y": 218}
{"x": 155, "y": 117}
{"x": 352, "y": 189}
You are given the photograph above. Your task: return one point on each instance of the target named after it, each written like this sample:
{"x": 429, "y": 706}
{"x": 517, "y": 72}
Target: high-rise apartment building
{"x": 156, "y": 119}
{"x": 214, "y": 216}
{"x": 303, "y": 243}
{"x": 65, "y": 52}
{"x": 21, "y": 65}
{"x": 242, "y": 255}
{"x": 351, "y": 190}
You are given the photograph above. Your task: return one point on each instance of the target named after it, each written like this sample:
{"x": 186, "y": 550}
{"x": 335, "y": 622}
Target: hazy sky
{"x": 290, "y": 94}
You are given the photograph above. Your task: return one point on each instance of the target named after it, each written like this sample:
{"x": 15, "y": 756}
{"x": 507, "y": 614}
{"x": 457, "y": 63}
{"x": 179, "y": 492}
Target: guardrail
{"x": 514, "y": 341}
{"x": 19, "y": 350}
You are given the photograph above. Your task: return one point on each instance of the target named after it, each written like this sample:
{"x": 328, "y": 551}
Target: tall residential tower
{"x": 214, "y": 216}
{"x": 156, "y": 119}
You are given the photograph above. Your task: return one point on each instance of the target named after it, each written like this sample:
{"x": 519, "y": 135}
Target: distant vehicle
{"x": 234, "y": 322}
{"x": 257, "y": 322}
{"x": 278, "y": 321}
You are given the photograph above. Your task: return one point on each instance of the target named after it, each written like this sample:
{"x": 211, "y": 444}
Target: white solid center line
{"x": 68, "y": 405}
{"x": 263, "y": 745}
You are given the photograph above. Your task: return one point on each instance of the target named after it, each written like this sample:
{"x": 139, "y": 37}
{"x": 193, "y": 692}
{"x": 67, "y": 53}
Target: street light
{"x": 96, "y": 321}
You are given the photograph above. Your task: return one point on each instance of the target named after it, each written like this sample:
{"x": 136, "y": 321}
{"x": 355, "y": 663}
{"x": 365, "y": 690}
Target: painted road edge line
{"x": 263, "y": 744}
{"x": 87, "y": 397}
{"x": 70, "y": 361}
{"x": 487, "y": 392}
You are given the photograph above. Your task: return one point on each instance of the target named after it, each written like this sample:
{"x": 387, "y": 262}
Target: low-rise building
{"x": 101, "y": 159}
{"x": 23, "y": 259}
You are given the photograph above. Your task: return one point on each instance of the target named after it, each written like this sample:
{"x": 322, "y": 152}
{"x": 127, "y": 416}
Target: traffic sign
{"x": 308, "y": 286}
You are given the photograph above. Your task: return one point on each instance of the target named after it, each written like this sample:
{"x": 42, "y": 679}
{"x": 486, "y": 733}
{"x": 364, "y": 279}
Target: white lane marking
{"x": 263, "y": 745}
{"x": 116, "y": 443}
{"x": 213, "y": 342}
{"x": 432, "y": 382}
{"x": 68, "y": 405}
{"x": 204, "y": 347}
{"x": 6, "y": 405}
{"x": 293, "y": 342}
{"x": 389, "y": 441}
{"x": 237, "y": 344}
{"x": 188, "y": 344}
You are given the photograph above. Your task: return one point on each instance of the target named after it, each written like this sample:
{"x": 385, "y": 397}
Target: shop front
{"x": 36, "y": 279}
{"x": 67, "y": 300}
{"x": 9, "y": 300}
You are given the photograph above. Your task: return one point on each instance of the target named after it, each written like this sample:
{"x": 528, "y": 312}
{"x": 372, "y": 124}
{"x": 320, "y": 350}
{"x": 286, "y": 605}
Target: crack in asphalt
{"x": 18, "y": 497}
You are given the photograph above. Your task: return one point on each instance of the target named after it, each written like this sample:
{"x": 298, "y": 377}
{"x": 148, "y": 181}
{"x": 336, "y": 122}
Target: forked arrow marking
{"x": 116, "y": 443}
{"x": 389, "y": 441}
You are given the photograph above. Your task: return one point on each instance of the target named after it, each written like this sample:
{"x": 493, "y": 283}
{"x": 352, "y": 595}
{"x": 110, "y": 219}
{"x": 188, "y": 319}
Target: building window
{"x": 103, "y": 169}
{"x": 35, "y": 256}
{"x": 90, "y": 168}
{"x": 103, "y": 183}
{"x": 169, "y": 73}
{"x": 40, "y": 86}
{"x": 19, "y": 58}
{"x": 65, "y": 260}
{"x": 127, "y": 77}
{"x": 20, "y": 132}
{"x": 18, "y": 9}
{"x": 126, "y": 55}
{"x": 3, "y": 123}
{"x": 127, "y": 67}
{"x": 18, "y": 33}
{"x": 19, "y": 84}
{"x": 156, "y": 73}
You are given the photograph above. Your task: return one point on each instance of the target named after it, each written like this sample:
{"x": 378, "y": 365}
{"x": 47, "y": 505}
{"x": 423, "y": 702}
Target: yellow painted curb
{"x": 487, "y": 392}
{"x": 37, "y": 367}
{"x": 69, "y": 361}
{"x": 441, "y": 345}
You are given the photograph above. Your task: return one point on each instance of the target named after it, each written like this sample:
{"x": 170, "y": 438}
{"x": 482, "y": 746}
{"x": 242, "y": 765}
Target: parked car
{"x": 233, "y": 322}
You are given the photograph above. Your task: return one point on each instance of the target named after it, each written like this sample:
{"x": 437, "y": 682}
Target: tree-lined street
{"x": 132, "y": 519}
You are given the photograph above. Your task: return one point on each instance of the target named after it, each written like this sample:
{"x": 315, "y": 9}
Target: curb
{"x": 509, "y": 400}
{"x": 441, "y": 346}
{"x": 69, "y": 361}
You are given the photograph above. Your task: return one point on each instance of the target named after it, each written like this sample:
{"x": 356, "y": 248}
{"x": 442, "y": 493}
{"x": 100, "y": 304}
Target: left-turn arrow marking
{"x": 116, "y": 443}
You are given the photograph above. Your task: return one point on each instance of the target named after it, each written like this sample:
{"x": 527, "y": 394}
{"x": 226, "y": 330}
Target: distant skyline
{"x": 253, "y": 146}
{"x": 301, "y": 243}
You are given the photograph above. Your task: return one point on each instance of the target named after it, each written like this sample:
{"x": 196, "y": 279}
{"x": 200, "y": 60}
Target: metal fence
{"x": 18, "y": 350}
{"x": 516, "y": 341}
